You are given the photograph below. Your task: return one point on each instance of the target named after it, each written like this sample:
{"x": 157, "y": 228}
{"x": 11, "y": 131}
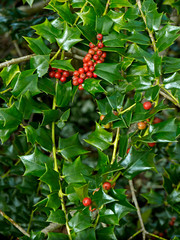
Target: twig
{"x": 169, "y": 96}
{"x": 14, "y": 223}
{"x": 138, "y": 209}
{"x": 107, "y": 6}
{"x": 135, "y": 234}
{"x": 51, "y": 227}
{"x": 115, "y": 146}
{"x": 156, "y": 236}
{"x": 17, "y": 48}
{"x": 35, "y": 8}
{"x": 82, "y": 9}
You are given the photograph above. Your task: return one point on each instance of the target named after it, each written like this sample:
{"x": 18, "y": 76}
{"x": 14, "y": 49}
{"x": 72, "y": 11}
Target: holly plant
{"x": 89, "y": 124}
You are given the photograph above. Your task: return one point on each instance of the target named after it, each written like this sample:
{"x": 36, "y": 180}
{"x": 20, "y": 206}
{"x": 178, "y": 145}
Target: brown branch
{"x": 169, "y": 98}
{"x": 14, "y": 223}
{"x": 51, "y": 227}
{"x": 35, "y": 8}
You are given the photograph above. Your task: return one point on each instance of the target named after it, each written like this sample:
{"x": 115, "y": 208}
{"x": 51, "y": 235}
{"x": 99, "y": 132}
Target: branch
{"x": 51, "y": 227}
{"x": 14, "y": 223}
{"x": 115, "y": 146}
{"x": 35, "y": 8}
{"x": 169, "y": 98}
{"x": 138, "y": 209}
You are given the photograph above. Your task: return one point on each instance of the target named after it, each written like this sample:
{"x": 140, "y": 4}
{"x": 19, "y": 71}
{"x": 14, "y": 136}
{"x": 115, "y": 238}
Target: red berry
{"x": 82, "y": 75}
{"x": 147, "y": 105}
{"x": 75, "y": 78}
{"x": 80, "y": 87}
{"x": 95, "y": 48}
{"x": 99, "y": 52}
{"x": 86, "y": 201}
{"x": 54, "y": 69}
{"x": 91, "y": 51}
{"x": 87, "y": 59}
{"x": 171, "y": 223}
{"x": 91, "y": 45}
{"x": 60, "y": 70}
{"x": 141, "y": 125}
{"x": 81, "y": 70}
{"x": 128, "y": 150}
{"x": 90, "y": 63}
{"x": 94, "y": 75}
{"x": 91, "y": 68}
{"x": 89, "y": 74}
{"x": 173, "y": 219}
{"x": 88, "y": 55}
{"x": 57, "y": 75}
{"x": 91, "y": 210}
{"x": 107, "y": 185}
{"x": 76, "y": 73}
{"x": 161, "y": 234}
{"x": 99, "y": 36}
{"x": 102, "y": 59}
{"x": 151, "y": 144}
{"x": 51, "y": 74}
{"x": 75, "y": 82}
{"x": 63, "y": 79}
{"x": 85, "y": 65}
{"x": 103, "y": 55}
{"x": 100, "y": 45}
{"x": 66, "y": 74}
{"x": 95, "y": 57}
{"x": 80, "y": 80}
{"x": 86, "y": 69}
{"x": 98, "y": 61}
{"x": 157, "y": 120}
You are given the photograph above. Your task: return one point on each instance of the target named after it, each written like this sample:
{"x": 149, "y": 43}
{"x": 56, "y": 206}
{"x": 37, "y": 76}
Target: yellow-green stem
{"x": 115, "y": 146}
{"x": 127, "y": 109}
{"x": 165, "y": 90}
{"x": 116, "y": 177}
{"x": 135, "y": 234}
{"x": 106, "y": 9}
{"x": 6, "y": 90}
{"x": 96, "y": 222}
{"x": 55, "y": 56}
{"x": 30, "y": 221}
{"x": 153, "y": 235}
{"x": 82, "y": 9}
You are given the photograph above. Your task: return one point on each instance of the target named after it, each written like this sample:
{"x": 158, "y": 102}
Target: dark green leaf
{"x": 174, "y": 200}
{"x": 101, "y": 198}
{"x": 171, "y": 64}
{"x": 120, "y": 3}
{"x": 50, "y": 116}
{"x": 8, "y": 73}
{"x": 98, "y": 7}
{"x": 123, "y": 142}
{"x": 63, "y": 64}
{"x": 107, "y": 216}
{"x": 106, "y": 233}
{"x": 88, "y": 32}
{"x": 114, "y": 39}
{"x": 63, "y": 94}
{"x": 153, "y": 197}
{"x": 46, "y": 85}
{"x": 82, "y": 191}
{"x": 86, "y": 234}
{"x": 38, "y": 46}
{"x": 116, "y": 100}
{"x": 57, "y": 217}
{"x": 88, "y": 17}
{"x": 154, "y": 64}
{"x": 80, "y": 222}
{"x": 93, "y": 86}
{"x": 57, "y": 236}
{"x": 172, "y": 81}
{"x": 44, "y": 138}
{"x": 41, "y": 63}
{"x": 103, "y": 25}
{"x": 54, "y": 201}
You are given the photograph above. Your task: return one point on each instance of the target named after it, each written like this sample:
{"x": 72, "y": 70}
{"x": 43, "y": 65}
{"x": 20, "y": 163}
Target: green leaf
{"x": 88, "y": 233}
{"x": 69, "y": 38}
{"x": 63, "y": 119}
{"x": 114, "y": 39}
{"x": 101, "y": 198}
{"x": 63, "y": 94}
{"x": 78, "y": 3}
{"x": 107, "y": 216}
{"x": 153, "y": 18}
{"x": 57, "y": 236}
{"x": 174, "y": 200}
{"x": 93, "y": 86}
{"x": 108, "y": 71}
{"x": 30, "y": 2}
{"x": 47, "y": 31}
{"x": 137, "y": 162}
{"x": 88, "y": 32}
{"x": 88, "y": 17}
{"x": 10, "y": 117}
{"x": 116, "y": 99}
{"x": 103, "y": 25}
{"x": 57, "y": 217}
{"x": 123, "y": 142}
{"x": 171, "y": 64}
{"x": 173, "y": 81}
{"x": 63, "y": 64}
{"x": 51, "y": 178}
{"x": 154, "y": 64}
{"x": 63, "y": 11}
{"x": 80, "y": 222}
{"x": 8, "y": 73}
{"x": 44, "y": 138}
{"x": 6, "y": 133}
{"x": 35, "y": 163}
{"x": 75, "y": 172}
{"x": 46, "y": 85}
{"x": 117, "y": 18}
{"x": 139, "y": 38}
{"x": 106, "y": 233}
{"x": 82, "y": 191}
{"x": 71, "y": 147}
{"x": 166, "y": 36}
{"x": 41, "y": 63}
{"x": 50, "y": 116}
{"x": 100, "y": 138}
{"x": 138, "y": 53}
{"x": 54, "y": 201}
{"x": 98, "y": 7}
{"x": 27, "y": 81}
{"x": 120, "y": 3}
{"x": 38, "y": 46}
{"x": 152, "y": 93}
{"x": 153, "y": 197}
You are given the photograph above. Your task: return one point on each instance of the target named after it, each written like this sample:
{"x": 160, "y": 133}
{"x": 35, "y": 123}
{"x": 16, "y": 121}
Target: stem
{"x": 106, "y": 9}
{"x": 30, "y": 221}
{"x": 14, "y": 223}
{"x": 135, "y": 234}
{"x": 115, "y": 146}
{"x": 96, "y": 222}
{"x": 55, "y": 56}
{"x": 170, "y": 94}
{"x": 127, "y": 109}
{"x": 6, "y": 90}
{"x": 153, "y": 235}
{"x": 138, "y": 209}
{"x": 82, "y": 9}
{"x": 116, "y": 177}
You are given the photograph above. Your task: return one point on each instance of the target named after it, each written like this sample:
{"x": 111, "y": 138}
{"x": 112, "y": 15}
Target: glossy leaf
{"x": 88, "y": 233}
{"x": 41, "y": 63}
{"x": 171, "y": 64}
{"x": 8, "y": 73}
{"x": 35, "y": 163}
{"x": 46, "y": 85}
{"x": 50, "y": 116}
{"x": 82, "y": 191}
{"x": 120, "y": 3}
{"x": 80, "y": 222}
{"x": 57, "y": 217}
{"x": 54, "y": 201}
{"x": 136, "y": 162}
{"x": 100, "y": 138}
{"x": 154, "y": 65}
{"x": 38, "y": 46}
{"x": 93, "y": 86}
{"x": 98, "y": 7}
{"x": 174, "y": 200}
{"x": 153, "y": 197}
{"x": 101, "y": 198}
{"x": 106, "y": 233}
{"x": 63, "y": 64}
{"x": 139, "y": 38}
{"x": 88, "y": 17}
{"x": 69, "y": 38}
{"x": 63, "y": 119}
{"x": 116, "y": 100}
{"x": 44, "y": 138}
{"x": 71, "y": 147}
{"x": 114, "y": 39}
{"x": 63, "y": 94}
{"x": 57, "y": 236}
{"x": 107, "y": 216}
{"x": 172, "y": 81}
{"x": 103, "y": 25}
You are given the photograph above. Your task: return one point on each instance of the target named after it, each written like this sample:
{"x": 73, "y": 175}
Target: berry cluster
{"x": 95, "y": 55}
{"x": 60, "y": 74}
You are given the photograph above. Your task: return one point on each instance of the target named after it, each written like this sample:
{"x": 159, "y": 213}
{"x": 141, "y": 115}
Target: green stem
{"x": 115, "y": 146}
{"x": 82, "y": 9}
{"x": 6, "y": 90}
{"x": 153, "y": 235}
{"x": 30, "y": 221}
{"x": 55, "y": 56}
{"x": 106, "y": 9}
{"x": 134, "y": 235}
{"x": 170, "y": 94}
{"x": 96, "y": 222}
{"x": 127, "y": 109}
{"x": 116, "y": 176}
{"x": 14, "y": 224}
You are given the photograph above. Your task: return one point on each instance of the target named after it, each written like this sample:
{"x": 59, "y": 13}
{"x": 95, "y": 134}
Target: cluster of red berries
{"x": 60, "y": 74}
{"x": 95, "y": 55}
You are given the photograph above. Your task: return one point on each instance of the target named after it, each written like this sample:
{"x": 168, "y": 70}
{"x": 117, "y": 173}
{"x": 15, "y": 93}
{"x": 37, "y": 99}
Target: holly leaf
{"x": 80, "y": 222}
{"x": 93, "y": 86}
{"x": 101, "y": 198}
{"x": 173, "y": 81}
{"x": 63, "y": 119}
{"x": 154, "y": 64}
{"x": 41, "y": 63}
{"x": 69, "y": 38}
{"x": 98, "y": 7}
{"x": 120, "y": 4}
{"x": 106, "y": 233}
{"x": 71, "y": 147}
{"x": 100, "y": 138}
{"x": 136, "y": 162}
{"x": 114, "y": 39}
{"x": 8, "y": 73}
{"x": 35, "y": 163}
{"x": 63, "y": 64}
{"x": 116, "y": 99}
{"x": 88, "y": 17}
{"x": 174, "y": 200}
{"x": 57, "y": 236}
{"x": 50, "y": 116}
{"x": 54, "y": 201}
{"x": 171, "y": 64}
{"x": 107, "y": 216}
{"x": 38, "y": 46}
{"x": 57, "y": 217}
{"x": 63, "y": 94}
{"x": 153, "y": 197}
{"x": 88, "y": 233}
{"x": 103, "y": 25}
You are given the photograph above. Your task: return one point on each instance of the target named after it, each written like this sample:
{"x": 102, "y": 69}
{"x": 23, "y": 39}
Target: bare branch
{"x": 35, "y": 8}
{"x": 51, "y": 227}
